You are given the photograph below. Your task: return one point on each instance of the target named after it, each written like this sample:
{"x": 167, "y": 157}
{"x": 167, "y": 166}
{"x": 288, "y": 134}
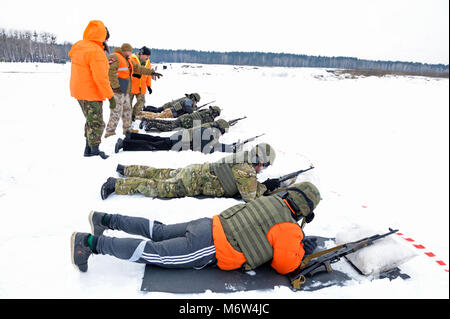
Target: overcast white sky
{"x": 399, "y": 30}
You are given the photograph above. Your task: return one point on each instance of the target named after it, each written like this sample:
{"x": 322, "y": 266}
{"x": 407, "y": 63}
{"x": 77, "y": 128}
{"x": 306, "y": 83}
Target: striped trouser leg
{"x": 195, "y": 248}
{"x": 186, "y": 245}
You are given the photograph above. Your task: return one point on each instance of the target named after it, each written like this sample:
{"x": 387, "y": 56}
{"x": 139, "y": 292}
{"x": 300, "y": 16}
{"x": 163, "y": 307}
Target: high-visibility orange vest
{"x": 149, "y": 78}
{"x": 139, "y": 85}
{"x": 125, "y": 68}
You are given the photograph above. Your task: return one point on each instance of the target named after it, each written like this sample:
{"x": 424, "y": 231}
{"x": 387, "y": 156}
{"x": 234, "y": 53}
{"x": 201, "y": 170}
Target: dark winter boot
{"x": 119, "y": 145}
{"x": 87, "y": 149}
{"x": 80, "y": 250}
{"x": 96, "y": 151}
{"x": 108, "y": 187}
{"x": 98, "y": 223}
{"x": 120, "y": 169}
{"x": 148, "y": 126}
{"x": 142, "y": 124}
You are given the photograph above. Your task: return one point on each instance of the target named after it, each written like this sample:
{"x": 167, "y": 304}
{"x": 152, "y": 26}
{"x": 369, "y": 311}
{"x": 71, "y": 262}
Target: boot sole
{"x": 90, "y": 221}
{"x": 72, "y": 250}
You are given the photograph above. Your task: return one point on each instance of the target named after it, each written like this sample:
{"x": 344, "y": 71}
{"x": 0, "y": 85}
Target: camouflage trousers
{"x": 166, "y": 114}
{"x": 121, "y": 111}
{"x": 165, "y": 125}
{"x": 94, "y": 126}
{"x": 192, "y": 180}
{"x": 140, "y": 103}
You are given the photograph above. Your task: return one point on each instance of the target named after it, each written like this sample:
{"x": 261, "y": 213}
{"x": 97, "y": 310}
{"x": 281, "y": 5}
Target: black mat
{"x": 212, "y": 278}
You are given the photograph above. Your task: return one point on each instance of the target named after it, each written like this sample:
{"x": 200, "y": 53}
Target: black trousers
{"x": 150, "y": 108}
{"x": 145, "y": 142}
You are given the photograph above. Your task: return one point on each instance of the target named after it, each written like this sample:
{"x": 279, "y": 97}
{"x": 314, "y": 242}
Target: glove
{"x": 272, "y": 184}
{"x": 138, "y": 76}
{"x": 112, "y": 103}
{"x": 157, "y": 75}
{"x": 310, "y": 217}
{"x": 149, "y": 90}
{"x": 117, "y": 90}
{"x": 309, "y": 245}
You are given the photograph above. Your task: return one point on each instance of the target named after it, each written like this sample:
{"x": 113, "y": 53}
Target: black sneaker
{"x": 80, "y": 250}
{"x": 108, "y": 187}
{"x": 95, "y": 219}
{"x": 120, "y": 169}
{"x": 119, "y": 145}
{"x": 142, "y": 124}
{"x": 148, "y": 126}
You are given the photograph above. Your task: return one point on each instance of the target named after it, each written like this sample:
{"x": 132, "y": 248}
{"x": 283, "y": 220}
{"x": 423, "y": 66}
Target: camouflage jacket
{"x": 114, "y": 65}
{"x": 203, "y": 138}
{"x": 244, "y": 174}
{"x": 247, "y": 182}
{"x": 185, "y": 121}
{"x": 171, "y": 103}
{"x": 202, "y": 117}
{"x": 192, "y": 180}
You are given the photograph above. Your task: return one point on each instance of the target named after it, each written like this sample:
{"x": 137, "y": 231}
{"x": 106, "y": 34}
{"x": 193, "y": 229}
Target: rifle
{"x": 289, "y": 176}
{"x": 294, "y": 174}
{"x": 236, "y": 145}
{"x": 203, "y": 105}
{"x": 322, "y": 260}
{"x": 232, "y": 122}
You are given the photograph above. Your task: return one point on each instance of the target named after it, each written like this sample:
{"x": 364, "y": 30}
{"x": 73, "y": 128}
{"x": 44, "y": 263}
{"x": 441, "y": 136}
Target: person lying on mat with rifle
{"x": 173, "y": 109}
{"x": 244, "y": 236}
{"x": 203, "y": 138}
{"x": 232, "y": 176}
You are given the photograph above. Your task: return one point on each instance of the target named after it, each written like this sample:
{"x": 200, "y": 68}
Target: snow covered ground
{"x": 380, "y": 147}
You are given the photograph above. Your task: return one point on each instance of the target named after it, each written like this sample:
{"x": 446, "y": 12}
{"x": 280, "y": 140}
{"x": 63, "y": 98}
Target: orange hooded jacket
{"x": 89, "y": 72}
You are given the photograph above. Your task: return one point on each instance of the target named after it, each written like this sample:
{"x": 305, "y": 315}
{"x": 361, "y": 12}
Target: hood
{"x": 95, "y": 31}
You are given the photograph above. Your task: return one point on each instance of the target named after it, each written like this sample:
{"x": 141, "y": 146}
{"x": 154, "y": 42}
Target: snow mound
{"x": 385, "y": 254}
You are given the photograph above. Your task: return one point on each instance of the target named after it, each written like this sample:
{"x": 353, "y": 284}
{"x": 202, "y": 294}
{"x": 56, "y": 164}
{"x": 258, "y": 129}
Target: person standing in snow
{"x": 172, "y": 109}
{"x": 120, "y": 74}
{"x": 232, "y": 176}
{"x": 89, "y": 83}
{"x": 244, "y": 236}
{"x": 140, "y": 84}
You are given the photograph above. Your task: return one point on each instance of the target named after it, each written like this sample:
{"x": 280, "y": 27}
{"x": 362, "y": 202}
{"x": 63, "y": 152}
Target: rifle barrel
{"x": 198, "y": 108}
{"x": 232, "y": 122}
{"x": 293, "y": 174}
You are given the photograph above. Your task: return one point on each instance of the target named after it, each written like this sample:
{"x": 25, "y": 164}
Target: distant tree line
{"x": 291, "y": 60}
{"x": 33, "y": 46}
